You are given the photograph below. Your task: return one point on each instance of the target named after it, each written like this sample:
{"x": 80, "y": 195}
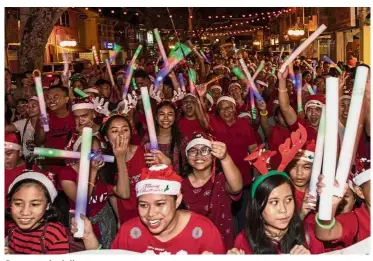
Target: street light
{"x": 71, "y": 43}
{"x": 295, "y": 31}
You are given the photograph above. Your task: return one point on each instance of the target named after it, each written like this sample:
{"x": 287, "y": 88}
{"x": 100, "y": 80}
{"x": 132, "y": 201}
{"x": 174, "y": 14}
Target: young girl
{"x": 210, "y": 192}
{"x": 272, "y": 225}
{"x": 34, "y": 228}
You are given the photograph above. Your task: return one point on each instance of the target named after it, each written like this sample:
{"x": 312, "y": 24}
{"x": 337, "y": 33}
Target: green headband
{"x": 261, "y": 178}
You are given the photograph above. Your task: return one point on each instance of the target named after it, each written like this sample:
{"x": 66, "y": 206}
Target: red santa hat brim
{"x": 305, "y": 155}
{"x": 198, "y": 141}
{"x": 225, "y": 98}
{"x": 82, "y": 106}
{"x": 91, "y": 90}
{"x": 12, "y": 146}
{"x": 157, "y": 186}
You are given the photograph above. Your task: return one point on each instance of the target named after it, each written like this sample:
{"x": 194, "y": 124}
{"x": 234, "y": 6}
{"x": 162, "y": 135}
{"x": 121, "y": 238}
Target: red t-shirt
{"x": 188, "y": 127}
{"x": 245, "y": 107}
{"x": 356, "y": 222}
{"x": 216, "y": 205}
{"x": 199, "y": 235}
{"x": 127, "y": 208}
{"x": 299, "y": 196}
{"x": 237, "y": 137}
{"x": 277, "y": 137}
{"x": 60, "y": 131}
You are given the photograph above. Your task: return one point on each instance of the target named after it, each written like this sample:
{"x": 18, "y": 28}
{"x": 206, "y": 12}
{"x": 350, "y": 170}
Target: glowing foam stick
{"x": 80, "y": 93}
{"x": 149, "y": 117}
{"x": 204, "y": 57}
{"x": 130, "y": 70}
{"x": 108, "y": 68}
{"x": 117, "y": 49}
{"x": 319, "y": 152}
{"x": 260, "y": 68}
{"x": 314, "y": 89}
{"x": 39, "y": 92}
{"x": 303, "y": 46}
{"x": 258, "y": 97}
{"x": 95, "y": 55}
{"x": 298, "y": 88}
{"x": 156, "y": 69}
{"x": 54, "y": 153}
{"x": 309, "y": 88}
{"x": 328, "y": 60}
{"x": 330, "y": 148}
{"x": 192, "y": 79}
{"x": 252, "y": 102}
{"x": 182, "y": 83}
{"x": 134, "y": 83}
{"x": 83, "y": 178}
{"x": 160, "y": 45}
{"x": 214, "y": 79}
{"x": 352, "y": 123}
{"x": 309, "y": 66}
{"x": 274, "y": 70}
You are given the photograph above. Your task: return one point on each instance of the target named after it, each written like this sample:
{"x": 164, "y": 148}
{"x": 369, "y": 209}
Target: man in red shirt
{"x": 160, "y": 227}
{"x": 61, "y": 120}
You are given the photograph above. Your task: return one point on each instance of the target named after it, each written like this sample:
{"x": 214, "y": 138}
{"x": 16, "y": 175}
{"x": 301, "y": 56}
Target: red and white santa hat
{"x": 347, "y": 94}
{"x": 197, "y": 139}
{"x": 317, "y": 100}
{"x": 92, "y": 89}
{"x": 34, "y": 98}
{"x": 191, "y": 95}
{"x": 159, "y": 179}
{"x": 307, "y": 153}
{"x": 12, "y": 142}
{"x": 43, "y": 179}
{"x": 216, "y": 87}
{"x": 362, "y": 177}
{"x": 225, "y": 98}
{"x": 234, "y": 84}
{"x": 261, "y": 83}
{"x": 209, "y": 98}
{"x": 362, "y": 173}
{"x": 83, "y": 103}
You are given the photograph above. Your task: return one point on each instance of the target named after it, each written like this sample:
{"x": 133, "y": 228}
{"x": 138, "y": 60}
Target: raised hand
{"x": 120, "y": 147}
{"x": 155, "y": 157}
{"x": 308, "y": 204}
{"x": 299, "y": 250}
{"x": 201, "y": 89}
{"x": 219, "y": 149}
{"x": 88, "y": 229}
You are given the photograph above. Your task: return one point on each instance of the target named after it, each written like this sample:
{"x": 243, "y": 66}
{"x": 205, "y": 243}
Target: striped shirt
{"x": 56, "y": 240}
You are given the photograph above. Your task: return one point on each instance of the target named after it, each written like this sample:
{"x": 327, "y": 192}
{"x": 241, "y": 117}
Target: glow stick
{"x": 156, "y": 69}
{"x": 274, "y": 71}
{"x": 80, "y": 93}
{"x": 130, "y": 70}
{"x": 319, "y": 152}
{"x": 347, "y": 149}
{"x": 298, "y": 88}
{"x": 252, "y": 102}
{"x": 309, "y": 66}
{"x": 95, "y": 55}
{"x": 330, "y": 148}
{"x": 149, "y": 117}
{"x": 258, "y": 97}
{"x": 260, "y": 68}
{"x": 303, "y": 46}
{"x": 314, "y": 89}
{"x": 117, "y": 49}
{"x": 309, "y": 88}
{"x": 215, "y": 79}
{"x": 54, "y": 153}
{"x": 182, "y": 83}
{"x": 134, "y": 83}
{"x": 204, "y": 56}
{"x": 39, "y": 92}
{"x": 83, "y": 178}
{"x": 328, "y": 60}
{"x": 108, "y": 67}
{"x": 160, "y": 45}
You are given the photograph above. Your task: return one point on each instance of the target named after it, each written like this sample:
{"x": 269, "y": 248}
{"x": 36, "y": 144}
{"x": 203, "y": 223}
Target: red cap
{"x": 12, "y": 142}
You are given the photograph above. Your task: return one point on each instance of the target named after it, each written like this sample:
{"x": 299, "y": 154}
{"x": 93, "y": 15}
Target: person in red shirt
{"x": 34, "y": 228}
{"x": 61, "y": 122}
{"x": 235, "y": 90}
{"x": 208, "y": 191}
{"x": 161, "y": 228}
{"x": 347, "y": 228}
{"x": 273, "y": 226}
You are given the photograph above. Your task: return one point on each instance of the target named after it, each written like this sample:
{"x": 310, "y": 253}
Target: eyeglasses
{"x": 204, "y": 151}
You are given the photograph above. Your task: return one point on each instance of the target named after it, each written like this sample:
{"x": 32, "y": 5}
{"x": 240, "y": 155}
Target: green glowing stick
{"x": 80, "y": 93}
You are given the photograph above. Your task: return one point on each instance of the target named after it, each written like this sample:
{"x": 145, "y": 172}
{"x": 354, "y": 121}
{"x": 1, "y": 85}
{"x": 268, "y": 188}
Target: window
{"x": 64, "y": 20}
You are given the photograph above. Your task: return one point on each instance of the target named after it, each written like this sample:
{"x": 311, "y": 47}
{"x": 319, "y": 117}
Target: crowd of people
{"x": 203, "y": 190}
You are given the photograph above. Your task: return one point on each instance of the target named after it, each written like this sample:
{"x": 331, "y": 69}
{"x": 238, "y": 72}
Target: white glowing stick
{"x": 108, "y": 67}
{"x": 330, "y": 148}
{"x": 260, "y": 68}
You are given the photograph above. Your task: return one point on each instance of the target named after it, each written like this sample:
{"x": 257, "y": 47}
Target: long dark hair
{"x": 176, "y": 136}
{"x": 108, "y": 171}
{"x": 255, "y": 224}
{"x": 52, "y": 214}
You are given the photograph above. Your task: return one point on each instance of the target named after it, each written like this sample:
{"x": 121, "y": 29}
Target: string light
{"x": 112, "y": 11}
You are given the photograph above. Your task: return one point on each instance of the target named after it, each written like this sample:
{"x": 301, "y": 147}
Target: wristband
{"x": 264, "y": 114}
{"x": 282, "y": 90}
{"x": 330, "y": 226}
{"x": 90, "y": 183}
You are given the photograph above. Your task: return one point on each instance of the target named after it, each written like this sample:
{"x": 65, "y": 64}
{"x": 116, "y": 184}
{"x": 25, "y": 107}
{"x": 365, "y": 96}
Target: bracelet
{"x": 99, "y": 247}
{"x": 90, "y": 183}
{"x": 264, "y": 114}
{"x": 330, "y": 226}
{"x": 282, "y": 90}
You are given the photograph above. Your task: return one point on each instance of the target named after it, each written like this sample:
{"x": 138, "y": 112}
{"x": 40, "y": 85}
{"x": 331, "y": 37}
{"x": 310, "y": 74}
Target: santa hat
{"x": 48, "y": 184}
{"x": 83, "y": 103}
{"x": 362, "y": 173}
{"x": 198, "y": 139}
{"x": 234, "y": 84}
{"x": 362, "y": 177}
{"x": 159, "y": 179}
{"x": 12, "y": 142}
{"x": 190, "y": 94}
{"x": 347, "y": 94}
{"x": 34, "y": 98}
{"x": 216, "y": 87}
{"x": 317, "y": 100}
{"x": 92, "y": 89}
{"x": 226, "y": 98}
{"x": 209, "y": 98}
{"x": 307, "y": 153}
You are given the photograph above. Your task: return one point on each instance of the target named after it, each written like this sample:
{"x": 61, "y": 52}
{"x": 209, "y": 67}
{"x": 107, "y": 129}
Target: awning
{"x": 76, "y": 49}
